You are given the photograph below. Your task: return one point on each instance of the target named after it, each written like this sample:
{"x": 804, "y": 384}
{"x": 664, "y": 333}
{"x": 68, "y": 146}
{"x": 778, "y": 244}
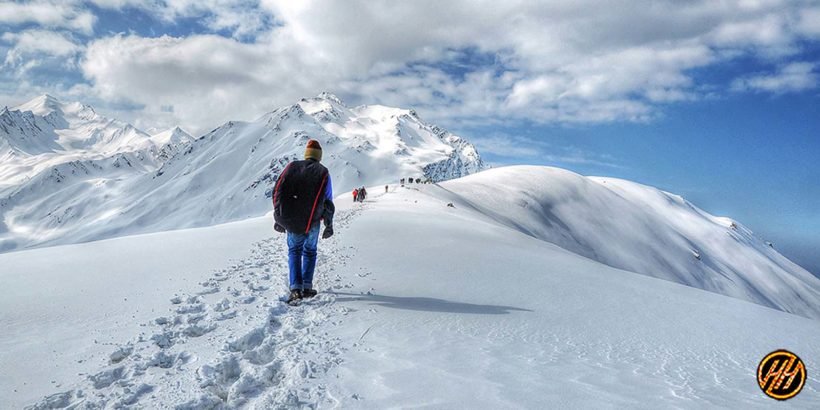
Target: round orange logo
{"x": 781, "y": 374}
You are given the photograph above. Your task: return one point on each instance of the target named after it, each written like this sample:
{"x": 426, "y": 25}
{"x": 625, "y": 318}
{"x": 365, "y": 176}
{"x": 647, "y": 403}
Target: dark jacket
{"x": 303, "y": 196}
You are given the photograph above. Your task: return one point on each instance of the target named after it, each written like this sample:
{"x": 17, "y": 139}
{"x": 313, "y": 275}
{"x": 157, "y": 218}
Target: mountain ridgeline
{"x": 69, "y": 175}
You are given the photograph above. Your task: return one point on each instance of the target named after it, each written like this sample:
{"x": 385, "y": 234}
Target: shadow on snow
{"x": 427, "y": 304}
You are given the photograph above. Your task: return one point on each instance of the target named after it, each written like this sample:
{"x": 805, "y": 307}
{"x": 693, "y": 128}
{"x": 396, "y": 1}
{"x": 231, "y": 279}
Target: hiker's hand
{"x": 278, "y": 228}
{"x": 328, "y": 232}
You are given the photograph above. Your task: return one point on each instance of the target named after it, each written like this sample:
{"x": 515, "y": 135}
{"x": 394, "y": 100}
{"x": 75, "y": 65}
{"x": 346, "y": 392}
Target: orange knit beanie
{"x": 313, "y": 150}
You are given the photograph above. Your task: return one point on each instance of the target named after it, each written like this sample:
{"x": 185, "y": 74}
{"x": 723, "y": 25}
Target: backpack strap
{"x": 279, "y": 182}
{"x": 316, "y": 201}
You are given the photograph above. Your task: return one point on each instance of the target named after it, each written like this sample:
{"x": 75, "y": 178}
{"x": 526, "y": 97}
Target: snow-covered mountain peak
{"x": 42, "y": 105}
{"x": 325, "y": 107}
{"x": 395, "y": 135}
{"x": 276, "y": 117}
{"x": 80, "y": 111}
{"x": 173, "y": 135}
{"x": 328, "y": 96}
{"x": 48, "y": 106}
{"x": 46, "y": 125}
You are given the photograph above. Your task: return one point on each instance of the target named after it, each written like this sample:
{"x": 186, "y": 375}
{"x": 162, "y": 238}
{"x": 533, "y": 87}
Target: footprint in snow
{"x": 105, "y": 378}
{"x": 121, "y": 353}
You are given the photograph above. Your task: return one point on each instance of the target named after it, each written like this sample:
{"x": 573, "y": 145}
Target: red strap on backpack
{"x": 315, "y": 202}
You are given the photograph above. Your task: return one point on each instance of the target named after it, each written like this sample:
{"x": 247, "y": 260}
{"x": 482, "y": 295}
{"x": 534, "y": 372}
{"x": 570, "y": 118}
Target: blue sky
{"x": 715, "y": 101}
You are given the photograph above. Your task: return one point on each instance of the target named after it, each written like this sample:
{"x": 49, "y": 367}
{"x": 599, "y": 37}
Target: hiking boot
{"x": 309, "y": 293}
{"x": 295, "y": 295}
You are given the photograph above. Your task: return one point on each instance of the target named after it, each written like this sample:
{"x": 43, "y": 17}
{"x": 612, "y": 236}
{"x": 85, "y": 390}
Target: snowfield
{"x": 516, "y": 296}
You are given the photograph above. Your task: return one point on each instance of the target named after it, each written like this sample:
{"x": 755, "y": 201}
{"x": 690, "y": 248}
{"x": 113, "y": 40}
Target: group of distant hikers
{"x": 359, "y": 194}
{"x": 302, "y": 199}
{"x": 417, "y": 180}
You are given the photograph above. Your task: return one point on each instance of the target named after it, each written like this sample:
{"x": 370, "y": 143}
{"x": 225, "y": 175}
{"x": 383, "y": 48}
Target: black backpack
{"x": 298, "y": 198}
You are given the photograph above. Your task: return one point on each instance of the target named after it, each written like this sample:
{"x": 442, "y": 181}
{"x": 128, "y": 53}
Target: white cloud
{"x": 206, "y": 78}
{"x": 243, "y": 18}
{"x": 462, "y": 62}
{"x": 809, "y": 22}
{"x": 766, "y": 30}
{"x": 47, "y": 13}
{"x": 31, "y": 43}
{"x": 794, "y": 77}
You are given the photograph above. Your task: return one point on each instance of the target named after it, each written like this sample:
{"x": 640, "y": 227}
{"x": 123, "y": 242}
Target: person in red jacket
{"x": 355, "y": 195}
{"x": 302, "y": 198}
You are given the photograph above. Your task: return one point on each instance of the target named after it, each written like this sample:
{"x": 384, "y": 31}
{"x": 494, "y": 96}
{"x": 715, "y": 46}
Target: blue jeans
{"x": 302, "y": 257}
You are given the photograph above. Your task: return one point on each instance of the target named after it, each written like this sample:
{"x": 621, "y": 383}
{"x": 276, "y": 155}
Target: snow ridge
{"x": 640, "y": 229}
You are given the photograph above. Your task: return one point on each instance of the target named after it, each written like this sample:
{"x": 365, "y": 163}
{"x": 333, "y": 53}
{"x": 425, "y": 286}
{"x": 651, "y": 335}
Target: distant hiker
{"x": 355, "y": 195}
{"x": 303, "y": 197}
{"x": 385, "y": 189}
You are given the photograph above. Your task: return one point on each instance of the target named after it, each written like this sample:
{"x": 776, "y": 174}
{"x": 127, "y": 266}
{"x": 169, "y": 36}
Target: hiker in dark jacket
{"x": 302, "y": 198}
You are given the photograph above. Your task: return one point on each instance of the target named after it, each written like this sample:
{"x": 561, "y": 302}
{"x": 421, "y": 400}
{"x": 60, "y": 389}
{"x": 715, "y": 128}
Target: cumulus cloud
{"x": 469, "y": 62}
{"x": 38, "y": 42}
{"x": 47, "y": 13}
{"x": 203, "y": 77}
{"x": 794, "y": 77}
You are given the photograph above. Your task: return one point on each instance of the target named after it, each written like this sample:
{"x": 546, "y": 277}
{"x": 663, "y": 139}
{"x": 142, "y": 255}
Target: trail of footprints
{"x": 266, "y": 367}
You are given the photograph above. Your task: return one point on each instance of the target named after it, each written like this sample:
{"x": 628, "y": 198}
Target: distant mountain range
{"x": 69, "y": 175}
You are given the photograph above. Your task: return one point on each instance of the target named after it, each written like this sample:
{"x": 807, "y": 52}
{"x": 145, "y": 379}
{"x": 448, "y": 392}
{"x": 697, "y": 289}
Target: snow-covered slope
{"x": 101, "y": 187}
{"x": 45, "y": 132}
{"x": 422, "y": 305}
{"x": 640, "y": 229}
